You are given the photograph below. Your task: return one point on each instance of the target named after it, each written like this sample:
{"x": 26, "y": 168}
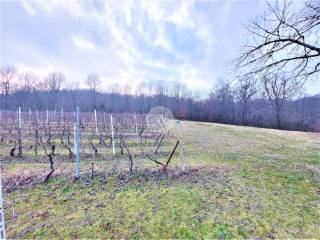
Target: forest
{"x": 243, "y": 102}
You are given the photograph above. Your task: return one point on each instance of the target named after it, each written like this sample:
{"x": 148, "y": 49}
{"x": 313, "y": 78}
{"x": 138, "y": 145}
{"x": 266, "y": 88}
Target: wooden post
{"x": 147, "y": 120}
{"x": 47, "y": 121}
{"x": 160, "y": 125}
{"x": 62, "y": 114}
{"x": 76, "y": 142}
{"x": 179, "y": 135}
{"x": 2, "y": 225}
{"x": 19, "y": 133}
{"x": 136, "y": 124}
{"x": 112, "y": 135}
{"x": 96, "y": 121}
{"x": 37, "y": 132}
{"x": 104, "y": 119}
{"x": 164, "y": 167}
{"x": 159, "y": 142}
{"x": 17, "y": 120}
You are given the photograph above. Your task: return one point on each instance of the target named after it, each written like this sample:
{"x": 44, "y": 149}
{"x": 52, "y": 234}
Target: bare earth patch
{"x": 314, "y": 169}
{"x": 24, "y": 178}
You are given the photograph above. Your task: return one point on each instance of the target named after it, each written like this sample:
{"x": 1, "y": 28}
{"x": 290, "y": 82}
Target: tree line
{"x": 268, "y": 103}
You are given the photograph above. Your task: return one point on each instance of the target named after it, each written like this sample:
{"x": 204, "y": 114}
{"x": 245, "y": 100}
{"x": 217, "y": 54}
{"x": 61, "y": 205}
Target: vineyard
{"x": 160, "y": 119}
{"x": 103, "y": 175}
{"x": 84, "y": 144}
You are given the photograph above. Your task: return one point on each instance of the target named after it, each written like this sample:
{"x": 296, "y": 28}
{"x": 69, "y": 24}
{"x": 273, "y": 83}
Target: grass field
{"x": 242, "y": 182}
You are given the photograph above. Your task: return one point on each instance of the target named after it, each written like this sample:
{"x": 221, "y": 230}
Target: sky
{"x": 128, "y": 42}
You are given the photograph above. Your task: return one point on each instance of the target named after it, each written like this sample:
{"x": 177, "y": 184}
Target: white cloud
{"x": 183, "y": 15}
{"x": 53, "y": 7}
{"x": 227, "y": 7}
{"x": 129, "y": 55}
{"x": 29, "y": 9}
{"x": 155, "y": 10}
{"x": 135, "y": 36}
{"x": 80, "y": 42}
{"x": 196, "y": 78}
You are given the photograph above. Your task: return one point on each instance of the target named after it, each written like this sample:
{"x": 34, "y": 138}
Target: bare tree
{"x": 93, "y": 82}
{"x": 279, "y": 88}
{"x": 25, "y": 87}
{"x": 54, "y": 82}
{"x": 7, "y": 74}
{"x": 284, "y": 39}
{"x": 178, "y": 92}
{"x": 245, "y": 93}
{"x": 73, "y": 86}
{"x": 27, "y": 81}
{"x": 161, "y": 90}
{"x": 140, "y": 92}
{"x": 223, "y": 104}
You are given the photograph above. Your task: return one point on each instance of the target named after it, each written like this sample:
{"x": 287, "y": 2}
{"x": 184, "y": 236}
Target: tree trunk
{"x": 278, "y": 117}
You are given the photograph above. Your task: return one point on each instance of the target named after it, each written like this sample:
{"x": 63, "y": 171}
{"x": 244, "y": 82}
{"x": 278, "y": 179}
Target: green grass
{"x": 245, "y": 183}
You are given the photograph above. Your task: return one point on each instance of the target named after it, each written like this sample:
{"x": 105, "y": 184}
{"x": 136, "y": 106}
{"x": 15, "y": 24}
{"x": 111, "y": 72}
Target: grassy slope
{"x": 250, "y": 183}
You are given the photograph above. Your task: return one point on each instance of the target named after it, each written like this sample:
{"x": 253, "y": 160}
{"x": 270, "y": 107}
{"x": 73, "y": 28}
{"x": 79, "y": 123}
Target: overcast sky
{"x": 128, "y": 42}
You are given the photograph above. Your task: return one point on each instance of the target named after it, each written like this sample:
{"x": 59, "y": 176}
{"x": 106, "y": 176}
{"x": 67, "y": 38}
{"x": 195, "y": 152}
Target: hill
{"x": 242, "y": 182}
